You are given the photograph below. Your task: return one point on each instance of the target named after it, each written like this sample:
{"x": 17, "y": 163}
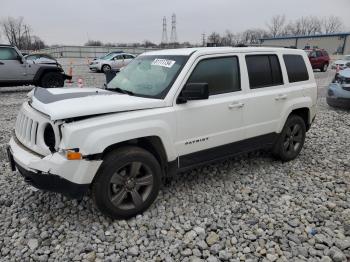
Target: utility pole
{"x": 203, "y": 39}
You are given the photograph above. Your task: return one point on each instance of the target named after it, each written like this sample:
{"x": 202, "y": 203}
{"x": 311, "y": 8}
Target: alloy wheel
{"x": 293, "y": 138}
{"x": 131, "y": 185}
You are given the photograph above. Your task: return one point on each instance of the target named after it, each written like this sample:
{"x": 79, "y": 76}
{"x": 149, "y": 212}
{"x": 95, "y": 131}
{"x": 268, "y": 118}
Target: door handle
{"x": 235, "y": 105}
{"x": 281, "y": 97}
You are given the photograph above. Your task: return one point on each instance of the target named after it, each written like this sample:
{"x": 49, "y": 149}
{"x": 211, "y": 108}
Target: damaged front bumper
{"x": 53, "y": 172}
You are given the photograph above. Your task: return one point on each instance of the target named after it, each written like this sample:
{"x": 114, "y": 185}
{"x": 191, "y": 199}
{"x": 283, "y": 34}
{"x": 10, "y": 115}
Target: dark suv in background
{"x": 319, "y": 59}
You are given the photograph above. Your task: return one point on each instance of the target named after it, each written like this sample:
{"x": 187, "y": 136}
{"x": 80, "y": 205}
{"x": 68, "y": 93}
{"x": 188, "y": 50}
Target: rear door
{"x": 298, "y": 79}
{"x": 117, "y": 62}
{"x": 127, "y": 59}
{"x": 321, "y": 59}
{"x": 314, "y": 59}
{"x": 266, "y": 96}
{"x": 11, "y": 69}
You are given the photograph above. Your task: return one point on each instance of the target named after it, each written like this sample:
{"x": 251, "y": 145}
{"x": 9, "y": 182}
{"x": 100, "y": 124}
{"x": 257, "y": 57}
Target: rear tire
{"x": 324, "y": 68}
{"x": 291, "y": 139}
{"x": 127, "y": 182}
{"x": 52, "y": 80}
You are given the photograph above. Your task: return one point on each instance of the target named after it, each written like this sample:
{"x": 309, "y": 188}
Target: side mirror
{"x": 193, "y": 91}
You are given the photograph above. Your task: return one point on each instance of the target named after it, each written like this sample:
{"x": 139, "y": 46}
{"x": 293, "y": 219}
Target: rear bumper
{"x": 338, "y": 102}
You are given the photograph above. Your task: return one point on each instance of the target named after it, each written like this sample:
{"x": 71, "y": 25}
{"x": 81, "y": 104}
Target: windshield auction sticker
{"x": 163, "y": 62}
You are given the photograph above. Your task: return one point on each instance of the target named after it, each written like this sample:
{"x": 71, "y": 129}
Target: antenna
{"x": 164, "y": 34}
{"x": 173, "y": 37}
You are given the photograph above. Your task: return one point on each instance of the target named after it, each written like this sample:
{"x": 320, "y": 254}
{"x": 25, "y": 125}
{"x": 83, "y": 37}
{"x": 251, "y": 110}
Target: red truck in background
{"x": 319, "y": 59}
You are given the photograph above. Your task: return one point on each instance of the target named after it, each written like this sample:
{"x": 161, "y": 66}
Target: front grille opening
{"x": 35, "y": 132}
{"x": 49, "y": 137}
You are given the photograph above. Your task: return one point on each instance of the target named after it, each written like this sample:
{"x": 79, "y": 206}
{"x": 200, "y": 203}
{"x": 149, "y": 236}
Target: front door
{"x": 206, "y": 129}
{"x": 11, "y": 69}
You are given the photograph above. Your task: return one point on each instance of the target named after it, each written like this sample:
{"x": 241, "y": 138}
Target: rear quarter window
{"x": 296, "y": 68}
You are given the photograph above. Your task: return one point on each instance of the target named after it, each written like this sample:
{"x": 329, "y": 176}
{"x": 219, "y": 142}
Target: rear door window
{"x": 263, "y": 71}
{"x": 296, "y": 68}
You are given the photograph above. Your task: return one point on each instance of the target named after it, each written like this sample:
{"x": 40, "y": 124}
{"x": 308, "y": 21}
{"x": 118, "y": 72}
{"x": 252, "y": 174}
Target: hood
{"x": 341, "y": 62}
{"x": 345, "y": 73}
{"x": 63, "y": 103}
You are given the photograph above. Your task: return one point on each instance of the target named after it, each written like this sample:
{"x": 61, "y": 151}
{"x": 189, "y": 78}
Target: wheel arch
{"x": 44, "y": 70}
{"x": 152, "y": 144}
{"x": 304, "y": 113}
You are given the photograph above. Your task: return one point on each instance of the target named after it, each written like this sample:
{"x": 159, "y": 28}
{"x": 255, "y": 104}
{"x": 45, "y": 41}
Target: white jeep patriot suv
{"x": 165, "y": 112}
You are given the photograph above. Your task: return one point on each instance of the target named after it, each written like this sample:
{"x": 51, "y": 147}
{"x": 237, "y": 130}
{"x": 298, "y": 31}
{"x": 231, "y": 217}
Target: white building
{"x": 334, "y": 44}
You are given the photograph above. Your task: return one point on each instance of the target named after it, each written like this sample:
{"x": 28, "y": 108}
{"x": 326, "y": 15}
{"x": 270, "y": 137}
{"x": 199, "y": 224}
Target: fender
{"x": 301, "y": 102}
{"x": 94, "y": 135}
{"x": 45, "y": 69}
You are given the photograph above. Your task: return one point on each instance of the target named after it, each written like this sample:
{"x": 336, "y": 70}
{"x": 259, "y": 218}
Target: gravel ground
{"x": 250, "y": 208}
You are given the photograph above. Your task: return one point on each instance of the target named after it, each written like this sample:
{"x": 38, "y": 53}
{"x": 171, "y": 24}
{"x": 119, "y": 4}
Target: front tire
{"x": 324, "y": 68}
{"x": 291, "y": 139}
{"x": 52, "y": 80}
{"x": 127, "y": 182}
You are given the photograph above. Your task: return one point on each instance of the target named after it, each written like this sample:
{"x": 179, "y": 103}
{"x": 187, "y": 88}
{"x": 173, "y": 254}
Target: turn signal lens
{"x": 72, "y": 155}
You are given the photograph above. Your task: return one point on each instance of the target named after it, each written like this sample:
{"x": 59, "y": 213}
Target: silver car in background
{"x": 342, "y": 63}
{"x": 338, "y": 94}
{"x": 111, "y": 61}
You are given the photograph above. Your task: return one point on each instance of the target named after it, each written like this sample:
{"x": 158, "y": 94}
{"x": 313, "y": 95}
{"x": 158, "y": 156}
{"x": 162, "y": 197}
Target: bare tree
{"x": 276, "y": 25}
{"x": 228, "y": 38}
{"x": 214, "y": 38}
{"x": 13, "y": 30}
{"x": 19, "y": 34}
{"x": 332, "y": 24}
{"x": 93, "y": 43}
{"x": 253, "y": 36}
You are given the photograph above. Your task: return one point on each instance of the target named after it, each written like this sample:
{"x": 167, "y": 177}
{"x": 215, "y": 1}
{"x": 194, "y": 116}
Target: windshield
{"x": 108, "y": 56}
{"x": 149, "y": 76}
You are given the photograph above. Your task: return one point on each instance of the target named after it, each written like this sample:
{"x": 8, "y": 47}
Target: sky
{"x": 73, "y": 22}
